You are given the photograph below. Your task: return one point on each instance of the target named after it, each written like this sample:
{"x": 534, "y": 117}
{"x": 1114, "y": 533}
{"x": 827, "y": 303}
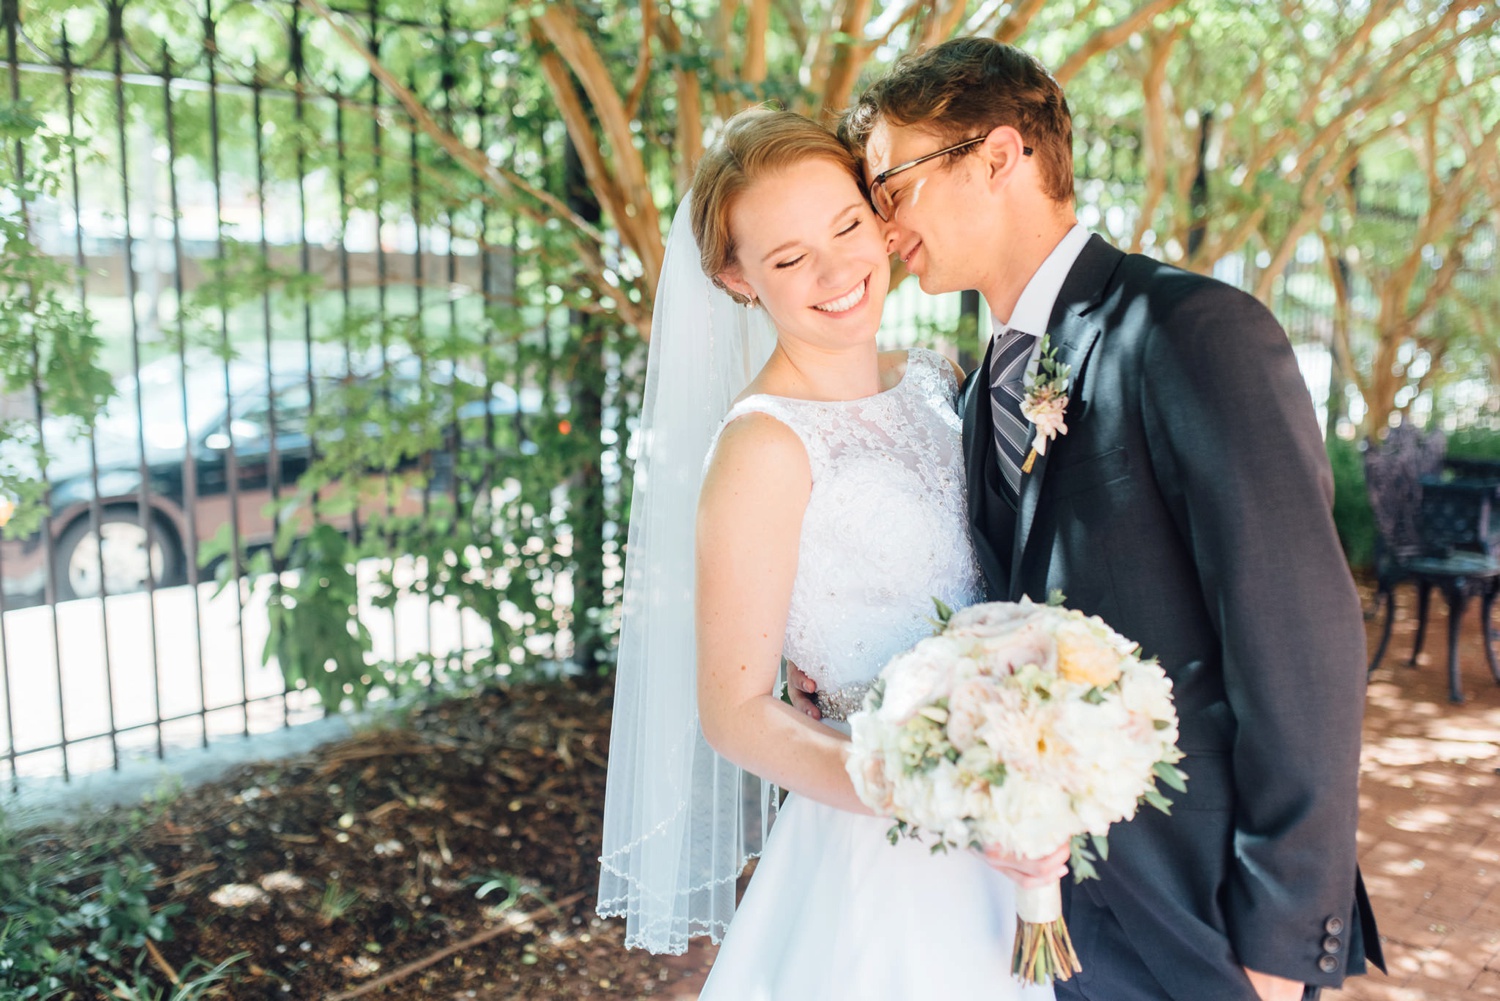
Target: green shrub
{"x": 1352, "y": 515}
{"x": 1474, "y": 443}
{"x": 76, "y": 908}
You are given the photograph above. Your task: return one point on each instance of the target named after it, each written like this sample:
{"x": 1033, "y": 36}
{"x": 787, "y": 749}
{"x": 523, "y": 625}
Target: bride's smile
{"x": 847, "y": 303}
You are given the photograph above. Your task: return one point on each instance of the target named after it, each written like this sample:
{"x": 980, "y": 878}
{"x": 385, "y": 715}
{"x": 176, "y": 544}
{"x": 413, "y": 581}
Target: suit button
{"x": 1332, "y": 944}
{"x": 1328, "y": 964}
{"x": 1334, "y": 926}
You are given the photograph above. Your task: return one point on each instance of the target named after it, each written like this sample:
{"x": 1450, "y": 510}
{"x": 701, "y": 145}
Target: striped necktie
{"x": 1007, "y": 389}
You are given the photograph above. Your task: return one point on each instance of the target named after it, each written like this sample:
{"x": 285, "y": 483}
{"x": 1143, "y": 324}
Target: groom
{"x": 1187, "y": 504}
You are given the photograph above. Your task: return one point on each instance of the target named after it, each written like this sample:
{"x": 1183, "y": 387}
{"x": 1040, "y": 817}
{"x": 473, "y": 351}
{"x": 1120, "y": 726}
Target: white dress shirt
{"x": 1034, "y": 309}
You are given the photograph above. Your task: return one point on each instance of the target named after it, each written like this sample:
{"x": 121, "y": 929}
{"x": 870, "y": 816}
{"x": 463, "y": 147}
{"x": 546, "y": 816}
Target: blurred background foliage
{"x": 483, "y": 188}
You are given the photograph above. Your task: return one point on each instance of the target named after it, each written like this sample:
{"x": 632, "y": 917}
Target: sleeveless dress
{"x": 834, "y": 911}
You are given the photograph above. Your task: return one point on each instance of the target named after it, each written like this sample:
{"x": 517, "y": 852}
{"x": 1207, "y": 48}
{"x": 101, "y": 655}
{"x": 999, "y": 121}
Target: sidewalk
{"x": 1429, "y": 841}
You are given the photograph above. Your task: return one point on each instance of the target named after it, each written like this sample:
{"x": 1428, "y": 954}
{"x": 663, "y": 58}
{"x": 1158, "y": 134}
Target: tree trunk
{"x": 587, "y": 490}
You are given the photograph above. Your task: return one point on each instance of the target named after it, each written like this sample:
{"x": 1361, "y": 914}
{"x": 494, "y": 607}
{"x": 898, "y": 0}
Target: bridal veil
{"x": 680, "y": 822}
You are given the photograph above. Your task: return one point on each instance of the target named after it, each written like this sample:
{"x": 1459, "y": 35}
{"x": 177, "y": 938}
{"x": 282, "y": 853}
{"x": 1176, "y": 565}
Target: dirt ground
{"x": 354, "y": 871}
{"x": 362, "y": 861}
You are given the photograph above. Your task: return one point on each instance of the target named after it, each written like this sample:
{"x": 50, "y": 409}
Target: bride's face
{"x": 813, "y": 252}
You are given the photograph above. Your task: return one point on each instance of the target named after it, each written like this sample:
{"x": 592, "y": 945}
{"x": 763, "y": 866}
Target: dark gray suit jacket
{"x": 1189, "y": 505}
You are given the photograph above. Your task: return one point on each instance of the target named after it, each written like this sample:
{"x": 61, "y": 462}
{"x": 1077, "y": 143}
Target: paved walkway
{"x": 1429, "y": 841}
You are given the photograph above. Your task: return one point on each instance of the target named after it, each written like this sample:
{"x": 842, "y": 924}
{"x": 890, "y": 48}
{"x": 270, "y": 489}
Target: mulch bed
{"x": 353, "y": 871}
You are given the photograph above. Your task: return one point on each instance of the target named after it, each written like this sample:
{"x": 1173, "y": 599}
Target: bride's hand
{"x": 801, "y": 690}
{"x": 1028, "y": 872}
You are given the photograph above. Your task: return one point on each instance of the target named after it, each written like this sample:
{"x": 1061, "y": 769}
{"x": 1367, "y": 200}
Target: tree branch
{"x": 643, "y": 68}
{"x": 1155, "y": 138}
{"x": 941, "y": 21}
{"x": 1017, "y": 21}
{"x": 721, "y": 30}
{"x": 796, "y": 23}
{"x": 1343, "y": 348}
{"x": 689, "y": 145}
{"x": 1107, "y": 38}
{"x": 636, "y": 218}
{"x": 849, "y": 55}
{"x": 753, "y": 71}
{"x": 474, "y": 160}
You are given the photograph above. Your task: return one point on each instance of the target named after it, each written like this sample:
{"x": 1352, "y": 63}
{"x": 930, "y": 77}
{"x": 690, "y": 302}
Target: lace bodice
{"x": 886, "y": 529}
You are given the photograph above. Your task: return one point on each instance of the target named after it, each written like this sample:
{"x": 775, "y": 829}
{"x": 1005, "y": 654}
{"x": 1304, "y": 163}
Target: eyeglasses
{"x": 880, "y": 197}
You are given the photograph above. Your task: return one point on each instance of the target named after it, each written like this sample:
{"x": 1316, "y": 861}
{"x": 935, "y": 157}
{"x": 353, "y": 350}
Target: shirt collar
{"x": 1033, "y": 310}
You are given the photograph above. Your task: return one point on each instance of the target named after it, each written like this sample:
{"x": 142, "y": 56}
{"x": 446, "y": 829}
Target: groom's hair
{"x": 964, "y": 88}
{"x": 754, "y": 143}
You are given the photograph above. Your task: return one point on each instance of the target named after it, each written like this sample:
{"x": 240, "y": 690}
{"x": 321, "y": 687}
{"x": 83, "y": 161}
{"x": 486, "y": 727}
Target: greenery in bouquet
{"x": 1019, "y": 726}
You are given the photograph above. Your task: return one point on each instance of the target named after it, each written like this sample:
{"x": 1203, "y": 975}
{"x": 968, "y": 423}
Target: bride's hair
{"x": 754, "y": 143}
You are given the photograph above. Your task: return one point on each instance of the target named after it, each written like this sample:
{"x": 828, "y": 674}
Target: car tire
{"x": 76, "y": 558}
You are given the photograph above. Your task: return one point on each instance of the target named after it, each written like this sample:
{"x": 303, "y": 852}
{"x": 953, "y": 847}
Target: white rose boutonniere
{"x": 1046, "y": 400}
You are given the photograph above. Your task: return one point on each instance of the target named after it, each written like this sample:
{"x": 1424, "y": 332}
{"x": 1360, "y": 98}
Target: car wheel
{"x": 122, "y": 542}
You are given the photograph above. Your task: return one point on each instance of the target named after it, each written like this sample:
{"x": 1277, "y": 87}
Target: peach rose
{"x": 1083, "y": 660}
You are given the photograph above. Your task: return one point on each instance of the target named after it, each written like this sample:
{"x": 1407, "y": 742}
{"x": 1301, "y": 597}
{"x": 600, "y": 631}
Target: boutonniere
{"x": 1046, "y": 400}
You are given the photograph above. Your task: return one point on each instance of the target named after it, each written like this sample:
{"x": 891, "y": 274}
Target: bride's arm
{"x": 749, "y": 522}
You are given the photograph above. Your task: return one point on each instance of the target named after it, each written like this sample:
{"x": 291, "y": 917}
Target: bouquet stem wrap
{"x": 1044, "y": 949}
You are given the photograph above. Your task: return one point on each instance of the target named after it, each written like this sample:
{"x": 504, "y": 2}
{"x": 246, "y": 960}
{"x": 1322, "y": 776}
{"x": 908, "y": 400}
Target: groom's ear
{"x": 1002, "y": 151}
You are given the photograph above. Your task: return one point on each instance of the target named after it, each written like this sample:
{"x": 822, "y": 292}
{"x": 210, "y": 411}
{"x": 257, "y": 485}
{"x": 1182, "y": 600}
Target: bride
{"x": 826, "y": 481}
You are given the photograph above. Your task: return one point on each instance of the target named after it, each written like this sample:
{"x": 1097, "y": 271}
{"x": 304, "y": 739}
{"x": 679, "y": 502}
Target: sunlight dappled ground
{"x": 1430, "y": 819}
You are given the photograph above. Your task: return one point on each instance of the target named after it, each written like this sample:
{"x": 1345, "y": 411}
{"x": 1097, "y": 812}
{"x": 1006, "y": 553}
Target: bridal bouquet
{"x": 1021, "y": 726}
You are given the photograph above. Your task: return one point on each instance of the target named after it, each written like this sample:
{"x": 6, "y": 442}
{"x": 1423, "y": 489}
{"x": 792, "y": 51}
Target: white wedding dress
{"x": 834, "y": 911}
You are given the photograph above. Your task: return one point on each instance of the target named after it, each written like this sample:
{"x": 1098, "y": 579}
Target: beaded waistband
{"x": 841, "y": 703}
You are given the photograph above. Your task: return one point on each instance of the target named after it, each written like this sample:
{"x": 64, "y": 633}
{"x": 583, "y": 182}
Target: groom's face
{"x": 932, "y": 212}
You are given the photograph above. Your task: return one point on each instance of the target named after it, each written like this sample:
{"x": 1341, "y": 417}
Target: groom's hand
{"x": 801, "y": 689}
{"x": 1271, "y": 988}
{"x": 1028, "y": 872}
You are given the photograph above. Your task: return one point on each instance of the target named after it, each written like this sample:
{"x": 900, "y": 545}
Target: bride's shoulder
{"x": 754, "y": 450}
{"x": 759, "y": 440}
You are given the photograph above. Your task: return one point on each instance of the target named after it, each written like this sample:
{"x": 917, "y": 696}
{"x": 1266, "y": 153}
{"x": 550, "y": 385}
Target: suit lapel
{"x": 979, "y": 451}
{"x": 978, "y": 429}
{"x": 1072, "y": 331}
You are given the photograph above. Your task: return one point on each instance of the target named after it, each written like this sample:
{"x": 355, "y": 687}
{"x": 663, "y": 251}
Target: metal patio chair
{"x": 1434, "y": 534}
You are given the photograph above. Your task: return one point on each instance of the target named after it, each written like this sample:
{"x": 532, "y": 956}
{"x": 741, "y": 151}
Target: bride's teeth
{"x": 847, "y": 302}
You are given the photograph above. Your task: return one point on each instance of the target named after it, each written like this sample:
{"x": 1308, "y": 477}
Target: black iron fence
{"x": 286, "y": 276}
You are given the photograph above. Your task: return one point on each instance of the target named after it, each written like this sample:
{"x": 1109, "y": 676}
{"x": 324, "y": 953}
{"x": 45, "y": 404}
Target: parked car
{"x": 130, "y": 546}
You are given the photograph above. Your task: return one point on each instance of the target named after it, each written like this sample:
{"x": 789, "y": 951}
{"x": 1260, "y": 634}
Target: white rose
{"x": 967, "y": 707}
{"x": 1002, "y": 656}
{"x": 1018, "y": 731}
{"x": 1031, "y": 819}
{"x": 947, "y": 791}
{"x": 912, "y": 680}
{"x": 993, "y": 618}
{"x": 1146, "y": 692}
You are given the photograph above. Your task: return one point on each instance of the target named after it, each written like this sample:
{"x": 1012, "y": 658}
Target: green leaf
{"x": 1157, "y": 800}
{"x": 1171, "y": 775}
{"x": 1055, "y": 598}
{"x": 1081, "y": 859}
{"x": 944, "y": 613}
